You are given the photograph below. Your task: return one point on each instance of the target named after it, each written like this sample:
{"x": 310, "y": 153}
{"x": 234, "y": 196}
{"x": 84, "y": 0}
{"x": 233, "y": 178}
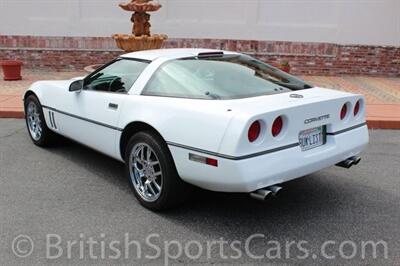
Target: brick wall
{"x": 74, "y": 53}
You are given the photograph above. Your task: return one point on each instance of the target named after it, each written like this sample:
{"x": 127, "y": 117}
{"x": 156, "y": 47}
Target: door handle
{"x": 113, "y": 106}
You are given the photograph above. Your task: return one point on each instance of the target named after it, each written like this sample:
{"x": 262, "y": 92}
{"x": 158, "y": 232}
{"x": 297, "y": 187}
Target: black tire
{"x": 174, "y": 190}
{"x": 47, "y": 136}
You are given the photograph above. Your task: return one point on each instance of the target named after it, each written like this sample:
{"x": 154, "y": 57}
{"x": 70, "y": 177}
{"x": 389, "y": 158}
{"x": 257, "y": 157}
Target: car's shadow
{"x": 316, "y": 204}
{"x": 104, "y": 167}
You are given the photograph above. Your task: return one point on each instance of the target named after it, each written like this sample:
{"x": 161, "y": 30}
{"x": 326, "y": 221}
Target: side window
{"x": 117, "y": 77}
{"x": 178, "y": 79}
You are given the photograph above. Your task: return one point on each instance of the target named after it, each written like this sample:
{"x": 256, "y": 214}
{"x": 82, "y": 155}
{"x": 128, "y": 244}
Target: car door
{"x": 94, "y": 111}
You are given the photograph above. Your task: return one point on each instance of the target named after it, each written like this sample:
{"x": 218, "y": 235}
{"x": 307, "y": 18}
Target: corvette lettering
{"x": 315, "y": 119}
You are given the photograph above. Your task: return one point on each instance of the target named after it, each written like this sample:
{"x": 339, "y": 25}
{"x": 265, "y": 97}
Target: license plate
{"x": 312, "y": 138}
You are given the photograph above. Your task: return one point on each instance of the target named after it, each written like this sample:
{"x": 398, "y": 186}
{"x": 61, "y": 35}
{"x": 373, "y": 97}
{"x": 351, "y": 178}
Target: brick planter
{"x": 74, "y": 53}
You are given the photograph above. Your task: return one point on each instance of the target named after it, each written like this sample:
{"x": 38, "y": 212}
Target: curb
{"x": 383, "y": 116}
{"x": 12, "y": 114}
{"x": 383, "y": 124}
{"x": 372, "y": 122}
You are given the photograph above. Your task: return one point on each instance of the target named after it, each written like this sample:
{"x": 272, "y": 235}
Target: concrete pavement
{"x": 71, "y": 193}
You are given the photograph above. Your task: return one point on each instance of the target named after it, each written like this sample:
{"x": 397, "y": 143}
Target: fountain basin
{"x": 132, "y": 43}
{"x": 140, "y": 7}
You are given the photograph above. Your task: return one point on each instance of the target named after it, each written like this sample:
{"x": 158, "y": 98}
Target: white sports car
{"x": 219, "y": 120}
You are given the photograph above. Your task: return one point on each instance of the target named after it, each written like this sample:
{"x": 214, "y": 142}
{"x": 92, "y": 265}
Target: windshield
{"x": 223, "y": 77}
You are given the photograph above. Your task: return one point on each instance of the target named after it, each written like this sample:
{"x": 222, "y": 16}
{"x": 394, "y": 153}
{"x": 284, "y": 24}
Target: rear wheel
{"x": 152, "y": 173}
{"x": 40, "y": 134}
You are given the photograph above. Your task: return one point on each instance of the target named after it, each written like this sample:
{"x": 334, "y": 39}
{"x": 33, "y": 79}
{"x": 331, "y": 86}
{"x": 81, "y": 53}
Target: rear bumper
{"x": 247, "y": 175}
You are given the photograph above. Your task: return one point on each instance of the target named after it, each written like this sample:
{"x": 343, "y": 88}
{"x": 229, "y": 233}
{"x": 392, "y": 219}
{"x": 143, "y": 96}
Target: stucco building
{"x": 316, "y": 36}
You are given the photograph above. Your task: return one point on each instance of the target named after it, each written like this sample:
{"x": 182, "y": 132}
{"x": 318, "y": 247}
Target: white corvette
{"x": 219, "y": 120}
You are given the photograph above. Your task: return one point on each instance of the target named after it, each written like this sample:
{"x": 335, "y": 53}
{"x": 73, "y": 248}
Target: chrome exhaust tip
{"x": 263, "y": 193}
{"x": 274, "y": 189}
{"x": 260, "y": 194}
{"x": 349, "y": 162}
{"x": 345, "y": 164}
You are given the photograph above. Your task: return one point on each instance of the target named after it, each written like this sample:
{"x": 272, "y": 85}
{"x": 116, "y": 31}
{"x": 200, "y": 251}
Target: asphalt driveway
{"x": 71, "y": 205}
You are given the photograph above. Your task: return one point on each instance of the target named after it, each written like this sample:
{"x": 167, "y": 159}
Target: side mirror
{"x": 77, "y": 85}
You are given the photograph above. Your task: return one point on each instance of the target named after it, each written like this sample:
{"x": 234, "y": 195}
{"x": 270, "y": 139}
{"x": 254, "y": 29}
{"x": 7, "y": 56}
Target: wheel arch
{"x": 133, "y": 128}
{"x": 29, "y": 93}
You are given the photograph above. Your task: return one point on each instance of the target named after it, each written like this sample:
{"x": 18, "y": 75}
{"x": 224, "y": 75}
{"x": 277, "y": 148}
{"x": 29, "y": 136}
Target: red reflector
{"x": 277, "y": 126}
{"x": 254, "y": 131}
{"x": 203, "y": 160}
{"x": 343, "y": 112}
{"x": 212, "y": 162}
{"x": 357, "y": 108}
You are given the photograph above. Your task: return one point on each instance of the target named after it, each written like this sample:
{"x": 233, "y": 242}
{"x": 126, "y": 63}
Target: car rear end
{"x": 276, "y": 138}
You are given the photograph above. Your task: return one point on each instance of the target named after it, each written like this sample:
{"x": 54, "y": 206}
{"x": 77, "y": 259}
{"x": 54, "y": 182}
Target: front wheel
{"x": 40, "y": 134}
{"x": 152, "y": 173}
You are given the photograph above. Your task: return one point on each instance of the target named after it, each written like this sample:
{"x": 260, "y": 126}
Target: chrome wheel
{"x": 33, "y": 120}
{"x": 145, "y": 172}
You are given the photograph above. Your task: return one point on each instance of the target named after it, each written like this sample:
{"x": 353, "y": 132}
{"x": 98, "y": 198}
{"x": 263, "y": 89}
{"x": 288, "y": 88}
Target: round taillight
{"x": 277, "y": 126}
{"x": 357, "y": 108}
{"x": 254, "y": 131}
{"x": 343, "y": 112}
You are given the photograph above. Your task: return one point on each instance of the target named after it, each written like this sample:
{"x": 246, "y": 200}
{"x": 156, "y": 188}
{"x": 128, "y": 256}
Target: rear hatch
{"x": 307, "y": 116}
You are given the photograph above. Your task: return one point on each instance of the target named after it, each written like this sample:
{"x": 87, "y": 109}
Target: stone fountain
{"x": 140, "y": 39}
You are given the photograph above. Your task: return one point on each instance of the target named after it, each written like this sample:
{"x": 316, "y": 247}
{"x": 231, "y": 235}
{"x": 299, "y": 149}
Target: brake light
{"x": 277, "y": 126}
{"x": 343, "y": 112}
{"x": 254, "y": 131}
{"x": 356, "y": 108}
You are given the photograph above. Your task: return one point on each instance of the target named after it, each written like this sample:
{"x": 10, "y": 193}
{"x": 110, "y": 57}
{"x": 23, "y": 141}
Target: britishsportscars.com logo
{"x": 53, "y": 247}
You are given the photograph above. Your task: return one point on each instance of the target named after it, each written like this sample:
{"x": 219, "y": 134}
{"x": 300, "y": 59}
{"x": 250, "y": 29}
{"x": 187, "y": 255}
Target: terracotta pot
{"x": 12, "y": 69}
{"x": 285, "y": 68}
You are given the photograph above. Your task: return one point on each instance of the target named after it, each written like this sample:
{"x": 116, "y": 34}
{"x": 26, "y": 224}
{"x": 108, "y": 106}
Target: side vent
{"x": 52, "y": 120}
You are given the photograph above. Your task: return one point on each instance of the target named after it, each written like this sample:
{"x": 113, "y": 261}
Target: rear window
{"x": 223, "y": 77}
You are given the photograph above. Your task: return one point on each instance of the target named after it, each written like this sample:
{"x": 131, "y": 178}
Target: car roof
{"x": 173, "y": 53}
